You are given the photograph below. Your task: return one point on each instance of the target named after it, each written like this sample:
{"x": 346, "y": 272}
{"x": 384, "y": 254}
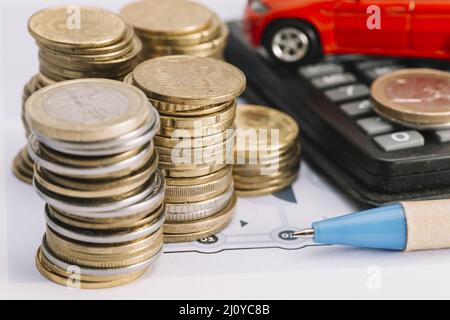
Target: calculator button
{"x": 321, "y": 69}
{"x": 374, "y": 125}
{"x": 443, "y": 135}
{"x": 332, "y": 80}
{"x": 400, "y": 140}
{"x": 350, "y": 92}
{"x": 370, "y": 64}
{"x": 376, "y": 72}
{"x": 357, "y": 108}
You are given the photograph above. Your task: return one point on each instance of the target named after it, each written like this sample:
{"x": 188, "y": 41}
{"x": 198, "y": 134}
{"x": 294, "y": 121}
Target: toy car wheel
{"x": 292, "y": 42}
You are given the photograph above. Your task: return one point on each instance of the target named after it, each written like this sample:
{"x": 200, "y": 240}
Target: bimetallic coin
{"x": 414, "y": 96}
{"x": 86, "y": 110}
{"x": 189, "y": 80}
{"x": 97, "y": 27}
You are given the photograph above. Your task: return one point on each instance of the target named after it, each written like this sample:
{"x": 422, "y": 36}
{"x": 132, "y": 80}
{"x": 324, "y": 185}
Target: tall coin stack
{"x": 96, "y": 168}
{"x": 196, "y": 101}
{"x": 176, "y": 27}
{"x": 265, "y": 161}
{"x": 78, "y": 42}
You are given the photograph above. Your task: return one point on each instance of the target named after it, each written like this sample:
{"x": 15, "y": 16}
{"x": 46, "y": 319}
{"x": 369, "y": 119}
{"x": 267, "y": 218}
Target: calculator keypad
{"x": 341, "y": 87}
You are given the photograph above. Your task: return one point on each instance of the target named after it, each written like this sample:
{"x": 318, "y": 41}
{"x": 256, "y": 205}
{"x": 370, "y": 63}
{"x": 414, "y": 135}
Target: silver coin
{"x": 148, "y": 204}
{"x": 198, "y": 210}
{"x": 67, "y": 205}
{"x": 64, "y": 170}
{"x": 125, "y": 143}
{"x": 98, "y": 272}
{"x": 102, "y": 238}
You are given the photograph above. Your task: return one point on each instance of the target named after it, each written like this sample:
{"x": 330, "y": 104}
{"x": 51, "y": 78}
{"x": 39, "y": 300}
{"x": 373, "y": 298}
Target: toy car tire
{"x": 292, "y": 42}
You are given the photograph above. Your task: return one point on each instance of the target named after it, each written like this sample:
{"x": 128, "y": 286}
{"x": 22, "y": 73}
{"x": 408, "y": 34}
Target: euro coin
{"x": 416, "y": 98}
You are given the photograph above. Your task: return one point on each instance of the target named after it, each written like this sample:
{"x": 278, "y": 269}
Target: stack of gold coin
{"x": 414, "y": 98}
{"x": 196, "y": 99}
{"x": 96, "y": 169}
{"x": 78, "y": 42}
{"x": 176, "y": 27}
{"x": 267, "y": 151}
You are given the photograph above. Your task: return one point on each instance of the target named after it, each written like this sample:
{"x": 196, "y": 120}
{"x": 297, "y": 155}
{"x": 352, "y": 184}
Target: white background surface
{"x": 321, "y": 272}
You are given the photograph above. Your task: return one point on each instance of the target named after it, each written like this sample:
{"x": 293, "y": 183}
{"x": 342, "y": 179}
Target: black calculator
{"x": 371, "y": 159}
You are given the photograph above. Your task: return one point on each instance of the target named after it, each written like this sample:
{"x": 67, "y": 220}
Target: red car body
{"x": 411, "y": 28}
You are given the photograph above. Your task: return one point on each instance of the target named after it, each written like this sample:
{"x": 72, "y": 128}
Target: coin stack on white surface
{"x": 176, "y": 27}
{"x": 196, "y": 98}
{"x": 77, "y": 42}
{"x": 96, "y": 168}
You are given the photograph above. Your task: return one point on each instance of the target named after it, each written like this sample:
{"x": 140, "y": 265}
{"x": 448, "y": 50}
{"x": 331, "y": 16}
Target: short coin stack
{"x": 266, "y": 161}
{"x": 96, "y": 168}
{"x": 414, "y": 98}
{"x": 176, "y": 27}
{"x": 79, "y": 42}
{"x": 196, "y": 100}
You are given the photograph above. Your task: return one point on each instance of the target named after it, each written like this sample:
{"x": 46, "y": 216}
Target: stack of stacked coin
{"x": 414, "y": 98}
{"x": 267, "y": 151}
{"x": 96, "y": 168}
{"x": 196, "y": 100}
{"x": 176, "y": 27}
{"x": 78, "y": 42}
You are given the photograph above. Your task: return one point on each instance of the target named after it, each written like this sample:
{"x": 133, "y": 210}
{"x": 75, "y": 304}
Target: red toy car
{"x": 299, "y": 31}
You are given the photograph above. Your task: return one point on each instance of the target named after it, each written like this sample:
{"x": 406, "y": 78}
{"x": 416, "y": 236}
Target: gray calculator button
{"x": 369, "y": 64}
{"x": 350, "y": 92}
{"x": 443, "y": 135}
{"x": 374, "y": 125}
{"x": 332, "y": 80}
{"x": 357, "y": 108}
{"x": 321, "y": 69}
{"x": 400, "y": 140}
{"x": 376, "y": 72}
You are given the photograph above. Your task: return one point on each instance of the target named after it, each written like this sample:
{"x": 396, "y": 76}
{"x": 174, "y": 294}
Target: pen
{"x": 408, "y": 226}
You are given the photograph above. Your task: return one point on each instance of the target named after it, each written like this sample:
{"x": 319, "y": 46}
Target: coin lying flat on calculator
{"x": 416, "y": 98}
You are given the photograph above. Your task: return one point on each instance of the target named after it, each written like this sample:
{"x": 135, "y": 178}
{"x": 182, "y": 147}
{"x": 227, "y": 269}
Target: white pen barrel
{"x": 428, "y": 224}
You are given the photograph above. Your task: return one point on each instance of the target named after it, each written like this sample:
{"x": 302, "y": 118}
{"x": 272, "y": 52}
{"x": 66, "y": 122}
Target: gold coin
{"x": 266, "y": 191}
{"x": 106, "y": 262}
{"x": 191, "y": 173}
{"x": 86, "y": 110}
{"x": 20, "y": 171}
{"x": 65, "y": 278}
{"x": 201, "y": 49}
{"x": 171, "y": 109}
{"x": 188, "y": 122}
{"x": 415, "y": 96}
{"x": 199, "y": 131}
{"x": 198, "y": 192}
{"x": 254, "y": 117}
{"x": 189, "y": 80}
{"x": 95, "y": 188}
{"x": 102, "y": 249}
{"x": 101, "y": 225}
{"x": 188, "y": 237}
{"x": 167, "y": 17}
{"x": 97, "y": 27}
{"x": 198, "y": 142}
{"x": 203, "y": 224}
{"x": 209, "y": 34}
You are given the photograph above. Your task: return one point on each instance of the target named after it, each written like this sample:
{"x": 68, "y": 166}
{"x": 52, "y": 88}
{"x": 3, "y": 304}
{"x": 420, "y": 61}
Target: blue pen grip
{"x": 382, "y": 228}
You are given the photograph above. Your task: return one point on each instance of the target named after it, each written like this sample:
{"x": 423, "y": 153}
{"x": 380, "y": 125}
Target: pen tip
{"x": 304, "y": 233}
